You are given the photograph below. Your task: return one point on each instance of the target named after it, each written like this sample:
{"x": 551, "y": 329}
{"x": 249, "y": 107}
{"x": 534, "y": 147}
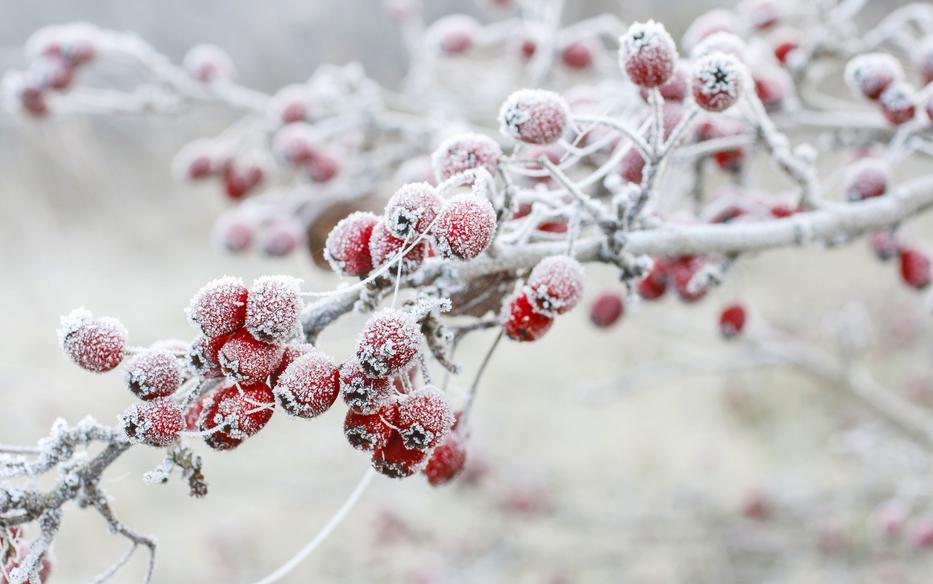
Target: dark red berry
{"x": 521, "y": 322}
{"x": 309, "y": 386}
{"x": 732, "y": 320}
{"x": 372, "y": 431}
{"x": 233, "y": 413}
{"x": 154, "y": 373}
{"x": 219, "y": 308}
{"x": 273, "y": 308}
{"x": 363, "y": 394}
{"x": 447, "y": 461}
{"x": 390, "y": 340}
{"x": 347, "y": 246}
{"x": 425, "y": 418}
{"x": 244, "y": 358}
{"x": 155, "y": 423}
{"x": 395, "y": 461}
{"x": 915, "y": 268}
{"x": 607, "y": 309}
{"x": 94, "y": 344}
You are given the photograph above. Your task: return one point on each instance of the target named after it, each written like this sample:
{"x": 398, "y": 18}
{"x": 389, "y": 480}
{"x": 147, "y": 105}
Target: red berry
{"x": 771, "y": 86}
{"x": 464, "y": 227}
{"x": 520, "y": 320}
{"x": 154, "y": 373}
{"x": 866, "y": 178}
{"x": 273, "y": 308}
{"x": 923, "y": 59}
{"x": 872, "y": 73}
{"x": 732, "y": 320}
{"x": 373, "y": 431}
{"x": 607, "y": 309}
{"x": 555, "y": 285}
{"x": 654, "y": 285}
{"x": 281, "y": 237}
{"x": 234, "y": 413}
{"x": 397, "y": 462}
{"x": 577, "y": 55}
{"x": 647, "y": 54}
{"x": 534, "y": 116}
{"x": 682, "y": 271}
{"x": 717, "y": 82}
{"x": 323, "y": 167}
{"x": 385, "y": 247}
{"x": 454, "y": 34}
{"x": 290, "y": 353}
{"x": 411, "y": 210}
{"x": 154, "y": 423}
{"x": 95, "y": 344}
{"x": 294, "y": 144}
{"x": 675, "y": 88}
{"x": 291, "y": 104}
{"x": 915, "y": 268}
{"x": 204, "y": 358}
{"x": 219, "y": 308}
{"x": 783, "y": 50}
{"x": 240, "y": 180}
{"x": 234, "y": 233}
{"x": 885, "y": 244}
{"x": 363, "y": 394}
{"x": 309, "y": 386}
{"x": 208, "y": 63}
{"x": 761, "y": 14}
{"x": 632, "y": 166}
{"x": 447, "y": 461}
{"x": 465, "y": 152}
{"x": 898, "y": 103}
{"x": 425, "y": 418}
{"x": 243, "y": 358}
{"x": 347, "y": 245}
{"x": 390, "y": 340}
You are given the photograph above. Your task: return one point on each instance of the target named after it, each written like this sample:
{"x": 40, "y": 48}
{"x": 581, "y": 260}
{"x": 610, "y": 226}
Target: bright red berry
{"x": 273, "y": 308}
{"x": 154, "y": 373}
{"x": 371, "y": 431}
{"x": 465, "y": 152}
{"x": 464, "y": 227}
{"x": 347, "y": 245}
{"x": 534, "y": 116}
{"x": 385, "y": 247}
{"x": 309, "y": 386}
{"x": 732, "y": 320}
{"x": 411, "y": 210}
{"x": 397, "y": 462}
{"x": 898, "y": 103}
{"x": 717, "y": 82}
{"x": 555, "y": 284}
{"x": 447, "y": 460}
{"x": 647, "y": 54}
{"x": 870, "y": 74}
{"x": 866, "y": 178}
{"x": 915, "y": 268}
{"x": 425, "y": 418}
{"x": 94, "y": 344}
{"x": 654, "y": 285}
{"x": 390, "y": 340}
{"x": 290, "y": 353}
{"x": 521, "y": 322}
{"x": 219, "y": 308}
{"x": 244, "y": 358}
{"x": 783, "y": 50}
{"x": 363, "y": 394}
{"x": 607, "y": 309}
{"x": 577, "y": 55}
{"x": 233, "y": 413}
{"x": 204, "y": 358}
{"x": 154, "y": 423}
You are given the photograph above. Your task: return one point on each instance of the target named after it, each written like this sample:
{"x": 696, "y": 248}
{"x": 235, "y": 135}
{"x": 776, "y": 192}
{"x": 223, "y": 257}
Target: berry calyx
{"x": 246, "y": 359}
{"x": 309, "y": 386}
{"x": 717, "y": 82}
{"x": 273, "y": 308}
{"x": 555, "y": 285}
{"x": 647, "y": 54}
{"x": 412, "y": 209}
{"x": 154, "y": 373}
{"x": 521, "y": 322}
{"x": 363, "y": 394}
{"x": 464, "y": 227}
{"x": 534, "y": 116}
{"x": 347, "y": 245}
{"x": 219, "y": 308}
{"x": 390, "y": 340}
{"x": 155, "y": 423}
{"x": 425, "y": 418}
{"x": 94, "y": 344}
{"x": 732, "y": 320}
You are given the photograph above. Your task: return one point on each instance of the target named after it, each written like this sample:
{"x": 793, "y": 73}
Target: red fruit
{"x": 454, "y": 34}
{"x": 425, "y": 418}
{"x": 390, "y": 340}
{"x": 898, "y": 103}
{"x": 520, "y": 320}
{"x": 915, "y": 268}
{"x": 371, "y": 432}
{"x": 884, "y": 243}
{"x": 323, "y": 167}
{"x": 309, "y": 386}
{"x": 534, "y": 116}
{"x": 154, "y": 373}
{"x": 385, "y": 247}
{"x": 96, "y": 345}
{"x": 783, "y": 50}
{"x": 291, "y": 104}
{"x": 465, "y": 152}
{"x": 208, "y": 63}
{"x": 654, "y": 285}
{"x": 273, "y": 308}
{"x": 716, "y": 82}
{"x": 464, "y": 227}
{"x": 281, "y": 237}
{"x": 675, "y": 88}
{"x": 682, "y": 271}
{"x": 363, "y": 394}
{"x": 607, "y": 310}
{"x": 347, "y": 245}
{"x": 243, "y": 358}
{"x": 447, "y": 461}
{"x": 732, "y": 320}
{"x": 647, "y": 54}
{"x": 234, "y": 233}
{"x": 240, "y": 181}
{"x": 204, "y": 358}
{"x": 782, "y": 210}
{"x": 872, "y": 73}
{"x": 290, "y": 353}
{"x": 555, "y": 285}
{"x": 411, "y": 210}
{"x": 155, "y": 423}
{"x": 294, "y": 144}
{"x": 866, "y": 178}
{"x": 397, "y": 462}
{"x": 771, "y": 88}
{"x": 923, "y": 59}
{"x": 219, "y": 308}
{"x": 234, "y": 413}
{"x": 577, "y": 55}
{"x": 32, "y": 100}
{"x": 632, "y": 165}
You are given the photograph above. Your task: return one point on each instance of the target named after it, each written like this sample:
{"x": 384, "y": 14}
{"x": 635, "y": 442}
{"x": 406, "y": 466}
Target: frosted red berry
{"x": 866, "y": 178}
{"x": 464, "y": 227}
{"x": 273, "y": 308}
{"x": 94, "y": 344}
{"x": 453, "y": 34}
{"x": 294, "y": 144}
{"x": 371, "y": 431}
{"x": 154, "y": 373}
{"x": 291, "y": 104}
{"x": 397, "y": 462}
{"x": 323, "y": 167}
{"x": 870, "y": 74}
{"x": 534, "y": 116}
{"x": 732, "y": 320}
{"x": 915, "y": 267}
{"x": 577, "y": 55}
{"x": 390, "y": 340}
{"x": 654, "y": 285}
{"x": 244, "y": 358}
{"x": 555, "y": 284}
{"x": 208, "y": 63}
{"x": 884, "y": 244}
{"x": 607, "y": 309}
{"x": 425, "y": 418}
{"x": 241, "y": 178}
{"x": 290, "y": 353}
{"x": 465, "y": 152}
{"x": 647, "y": 54}
{"x": 234, "y": 233}
{"x": 716, "y": 82}
{"x": 411, "y": 210}
{"x": 783, "y": 51}
{"x": 682, "y": 271}
{"x": 676, "y": 88}
{"x": 347, "y": 245}
{"x": 521, "y": 322}
{"x": 385, "y": 248}
{"x": 219, "y": 308}
{"x": 281, "y": 237}
{"x": 229, "y": 415}
{"x": 204, "y": 358}
{"x": 447, "y": 461}
{"x": 363, "y": 394}
{"x": 898, "y": 103}
{"x": 155, "y": 423}
{"x": 309, "y": 386}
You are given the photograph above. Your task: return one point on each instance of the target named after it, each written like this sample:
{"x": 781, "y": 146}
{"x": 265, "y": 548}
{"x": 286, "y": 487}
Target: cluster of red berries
{"x": 879, "y": 77}
{"x": 13, "y": 551}
{"x": 677, "y": 273}
{"x": 553, "y": 287}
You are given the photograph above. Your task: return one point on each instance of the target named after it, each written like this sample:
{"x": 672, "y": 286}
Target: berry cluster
{"x": 880, "y": 78}
{"x": 553, "y": 287}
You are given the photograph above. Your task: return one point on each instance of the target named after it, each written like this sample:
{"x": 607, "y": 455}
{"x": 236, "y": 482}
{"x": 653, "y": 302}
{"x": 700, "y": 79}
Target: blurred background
{"x": 653, "y": 452}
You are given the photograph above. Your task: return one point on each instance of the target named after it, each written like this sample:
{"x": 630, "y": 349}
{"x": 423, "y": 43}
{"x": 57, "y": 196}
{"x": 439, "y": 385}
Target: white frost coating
{"x": 425, "y": 418}
{"x": 273, "y": 308}
{"x": 308, "y": 386}
{"x": 208, "y": 62}
{"x": 647, "y": 53}
{"x": 717, "y": 81}
{"x": 153, "y": 373}
{"x": 452, "y": 34}
{"x": 464, "y": 227}
{"x": 219, "y": 307}
{"x": 412, "y": 209}
{"x": 871, "y": 73}
{"x": 865, "y": 178}
{"x": 534, "y": 116}
{"x": 347, "y": 246}
{"x": 389, "y": 341}
{"x": 898, "y": 97}
{"x": 717, "y": 20}
{"x": 555, "y": 285}
{"x": 465, "y": 152}
{"x": 721, "y": 42}
{"x": 97, "y": 345}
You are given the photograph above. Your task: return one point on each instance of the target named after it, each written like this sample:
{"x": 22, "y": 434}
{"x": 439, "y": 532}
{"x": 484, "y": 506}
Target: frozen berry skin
{"x": 870, "y": 74}
{"x": 94, "y": 344}
{"x": 245, "y": 359}
{"x": 208, "y": 63}
{"x": 682, "y": 271}
{"x": 555, "y": 285}
{"x": 447, "y": 461}
{"x": 915, "y": 268}
{"x": 385, "y": 247}
{"x": 534, "y": 116}
{"x": 154, "y": 423}
{"x": 425, "y": 418}
{"x": 309, "y": 386}
{"x": 204, "y": 358}
{"x": 884, "y": 244}
{"x": 219, "y": 308}
{"x": 390, "y": 340}
{"x": 464, "y": 227}
{"x": 647, "y": 54}
{"x": 520, "y": 320}
{"x": 411, "y": 210}
{"x": 273, "y": 308}
{"x": 363, "y": 394}
{"x": 607, "y": 310}
{"x": 577, "y": 55}
{"x": 866, "y": 178}
{"x": 716, "y": 82}
{"x": 397, "y": 462}
{"x": 153, "y": 373}
{"x": 654, "y": 285}
{"x": 898, "y": 103}
{"x": 229, "y": 415}
{"x": 347, "y": 245}
{"x": 290, "y": 353}
{"x": 465, "y": 152}
{"x": 371, "y": 431}
{"x": 732, "y": 321}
